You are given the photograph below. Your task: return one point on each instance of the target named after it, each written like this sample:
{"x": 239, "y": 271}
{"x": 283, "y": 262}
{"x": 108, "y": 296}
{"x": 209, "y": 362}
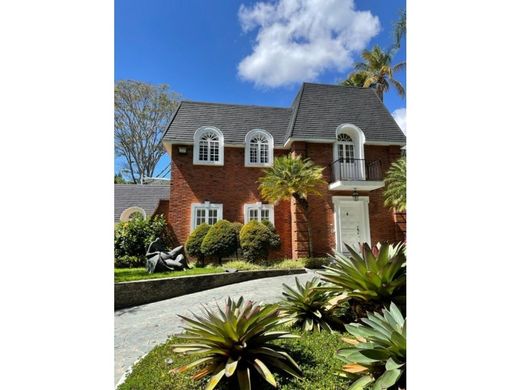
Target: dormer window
{"x": 259, "y": 149}
{"x": 208, "y": 146}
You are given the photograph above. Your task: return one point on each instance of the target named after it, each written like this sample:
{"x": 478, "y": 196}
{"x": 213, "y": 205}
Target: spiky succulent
{"x": 376, "y": 357}
{"x": 307, "y": 306}
{"x": 236, "y": 340}
{"x": 378, "y": 275}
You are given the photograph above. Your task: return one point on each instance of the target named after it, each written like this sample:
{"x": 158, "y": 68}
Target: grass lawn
{"x": 314, "y": 353}
{"x": 128, "y": 274}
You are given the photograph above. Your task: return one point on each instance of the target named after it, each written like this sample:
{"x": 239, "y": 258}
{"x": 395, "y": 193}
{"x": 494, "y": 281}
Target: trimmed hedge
{"x": 194, "y": 242}
{"x": 256, "y": 239}
{"x": 220, "y": 241}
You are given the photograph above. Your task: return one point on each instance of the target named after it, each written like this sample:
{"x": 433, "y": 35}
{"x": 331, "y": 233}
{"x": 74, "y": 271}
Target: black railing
{"x": 354, "y": 169}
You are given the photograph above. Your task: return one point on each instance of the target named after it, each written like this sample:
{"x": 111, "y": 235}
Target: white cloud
{"x": 400, "y": 117}
{"x": 297, "y": 40}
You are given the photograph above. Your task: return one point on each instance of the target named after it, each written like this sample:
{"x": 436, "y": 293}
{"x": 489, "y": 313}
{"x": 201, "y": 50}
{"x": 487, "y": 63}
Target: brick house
{"x": 219, "y": 151}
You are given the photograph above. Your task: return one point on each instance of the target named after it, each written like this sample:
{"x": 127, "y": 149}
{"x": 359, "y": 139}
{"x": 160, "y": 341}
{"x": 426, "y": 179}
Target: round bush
{"x": 274, "y": 241}
{"x": 132, "y": 238}
{"x": 194, "y": 242}
{"x": 220, "y": 241}
{"x": 255, "y": 240}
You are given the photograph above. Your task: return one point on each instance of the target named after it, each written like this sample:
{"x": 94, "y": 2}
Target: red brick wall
{"x": 321, "y": 211}
{"x": 233, "y": 185}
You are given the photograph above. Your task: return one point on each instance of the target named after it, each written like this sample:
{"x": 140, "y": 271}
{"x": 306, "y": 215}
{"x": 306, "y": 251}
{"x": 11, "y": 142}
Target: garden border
{"x": 139, "y": 292}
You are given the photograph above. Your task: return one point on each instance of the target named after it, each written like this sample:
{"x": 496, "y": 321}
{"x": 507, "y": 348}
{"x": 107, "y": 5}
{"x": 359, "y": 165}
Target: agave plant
{"x": 236, "y": 340}
{"x": 307, "y": 306}
{"x": 376, "y": 357}
{"x": 377, "y": 276}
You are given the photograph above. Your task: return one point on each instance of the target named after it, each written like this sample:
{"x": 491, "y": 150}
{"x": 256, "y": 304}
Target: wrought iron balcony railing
{"x": 353, "y": 169}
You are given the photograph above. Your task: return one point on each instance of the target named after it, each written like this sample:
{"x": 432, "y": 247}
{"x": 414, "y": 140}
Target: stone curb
{"x": 140, "y": 292}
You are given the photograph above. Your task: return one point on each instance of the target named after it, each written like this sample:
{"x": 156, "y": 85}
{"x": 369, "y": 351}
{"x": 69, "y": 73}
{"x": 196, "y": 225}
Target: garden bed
{"x": 314, "y": 353}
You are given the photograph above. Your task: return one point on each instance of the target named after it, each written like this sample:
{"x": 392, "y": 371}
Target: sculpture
{"x": 159, "y": 261}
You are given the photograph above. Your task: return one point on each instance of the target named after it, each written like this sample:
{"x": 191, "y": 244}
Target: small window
{"x": 208, "y": 146}
{"x": 258, "y": 212}
{"x": 205, "y": 212}
{"x": 259, "y": 149}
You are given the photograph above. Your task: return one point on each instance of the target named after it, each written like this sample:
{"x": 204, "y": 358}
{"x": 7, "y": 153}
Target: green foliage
{"x": 315, "y": 353}
{"x": 119, "y": 179}
{"x": 395, "y": 185}
{"x": 242, "y": 265}
{"x": 141, "y": 273}
{"x": 132, "y": 238}
{"x": 274, "y": 240}
{"x": 316, "y": 262}
{"x": 256, "y": 239}
{"x": 129, "y": 262}
{"x": 289, "y": 177}
{"x": 376, "y": 72}
{"x": 220, "y": 241}
{"x": 307, "y": 306}
{"x": 235, "y": 340}
{"x": 193, "y": 244}
{"x": 376, "y": 357}
{"x": 378, "y": 276}
{"x": 287, "y": 264}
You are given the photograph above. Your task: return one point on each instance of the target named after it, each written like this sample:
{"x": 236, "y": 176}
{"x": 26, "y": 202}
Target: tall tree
{"x": 141, "y": 114}
{"x": 293, "y": 178}
{"x": 400, "y": 29}
{"x": 376, "y": 72}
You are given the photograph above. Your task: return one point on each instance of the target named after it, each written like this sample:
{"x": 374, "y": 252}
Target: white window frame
{"x": 358, "y": 139}
{"x": 125, "y": 215}
{"x": 259, "y": 206}
{"x": 270, "y": 149}
{"x": 205, "y": 206}
{"x": 196, "y": 141}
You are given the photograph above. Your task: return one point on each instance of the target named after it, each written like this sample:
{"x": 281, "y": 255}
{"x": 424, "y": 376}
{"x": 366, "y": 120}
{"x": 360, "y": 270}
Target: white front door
{"x": 351, "y": 223}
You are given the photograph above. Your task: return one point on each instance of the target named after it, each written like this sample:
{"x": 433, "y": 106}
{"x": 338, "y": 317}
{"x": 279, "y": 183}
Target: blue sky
{"x": 231, "y": 51}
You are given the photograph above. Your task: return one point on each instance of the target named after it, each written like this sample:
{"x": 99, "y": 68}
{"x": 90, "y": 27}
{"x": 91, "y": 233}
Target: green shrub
{"x": 220, "y": 241}
{"x": 376, "y": 357}
{"x": 274, "y": 240}
{"x": 194, "y": 242}
{"x": 307, "y": 306}
{"x": 242, "y": 265}
{"x": 316, "y": 262}
{"x": 132, "y": 238}
{"x": 129, "y": 262}
{"x": 370, "y": 280}
{"x": 236, "y": 343}
{"x": 288, "y": 264}
{"x": 256, "y": 239}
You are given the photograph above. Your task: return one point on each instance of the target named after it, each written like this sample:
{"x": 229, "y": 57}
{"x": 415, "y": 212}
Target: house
{"x": 145, "y": 199}
{"x": 218, "y": 153}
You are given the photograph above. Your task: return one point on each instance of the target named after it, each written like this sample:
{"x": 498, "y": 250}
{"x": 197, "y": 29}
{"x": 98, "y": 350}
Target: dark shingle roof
{"x": 146, "y": 196}
{"x": 322, "y": 108}
{"x": 316, "y": 112}
{"x": 233, "y": 120}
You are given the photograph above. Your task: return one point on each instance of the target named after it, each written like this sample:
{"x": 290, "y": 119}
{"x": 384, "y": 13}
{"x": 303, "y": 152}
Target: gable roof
{"x": 234, "y": 120}
{"x": 145, "y": 196}
{"x": 321, "y": 108}
{"x": 316, "y": 112}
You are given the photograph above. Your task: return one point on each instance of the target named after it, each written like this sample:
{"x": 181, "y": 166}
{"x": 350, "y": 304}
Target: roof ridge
{"x": 235, "y": 104}
{"x": 292, "y": 121}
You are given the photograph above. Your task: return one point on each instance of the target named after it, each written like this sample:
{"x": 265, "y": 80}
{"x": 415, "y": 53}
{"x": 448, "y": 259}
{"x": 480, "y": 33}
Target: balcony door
{"x": 349, "y": 167}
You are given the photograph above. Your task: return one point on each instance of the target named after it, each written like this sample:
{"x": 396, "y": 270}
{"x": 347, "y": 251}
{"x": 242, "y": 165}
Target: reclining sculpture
{"x": 159, "y": 261}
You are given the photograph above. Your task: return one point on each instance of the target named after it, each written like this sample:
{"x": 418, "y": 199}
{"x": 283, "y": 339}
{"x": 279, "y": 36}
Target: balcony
{"x": 348, "y": 174}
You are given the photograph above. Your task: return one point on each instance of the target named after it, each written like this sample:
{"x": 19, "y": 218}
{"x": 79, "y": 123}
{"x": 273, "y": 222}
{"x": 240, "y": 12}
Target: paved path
{"x": 139, "y": 329}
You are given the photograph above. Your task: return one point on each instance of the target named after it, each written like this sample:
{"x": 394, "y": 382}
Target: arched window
{"x": 259, "y": 149}
{"x": 131, "y": 213}
{"x": 349, "y": 153}
{"x": 208, "y": 145}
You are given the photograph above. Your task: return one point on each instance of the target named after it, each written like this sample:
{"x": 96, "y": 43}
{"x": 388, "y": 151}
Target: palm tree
{"x": 355, "y": 79}
{"x": 399, "y": 29}
{"x": 395, "y": 183}
{"x": 295, "y": 178}
{"x": 377, "y": 72}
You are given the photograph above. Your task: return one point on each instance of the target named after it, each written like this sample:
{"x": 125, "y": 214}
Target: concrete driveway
{"x": 139, "y": 329}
